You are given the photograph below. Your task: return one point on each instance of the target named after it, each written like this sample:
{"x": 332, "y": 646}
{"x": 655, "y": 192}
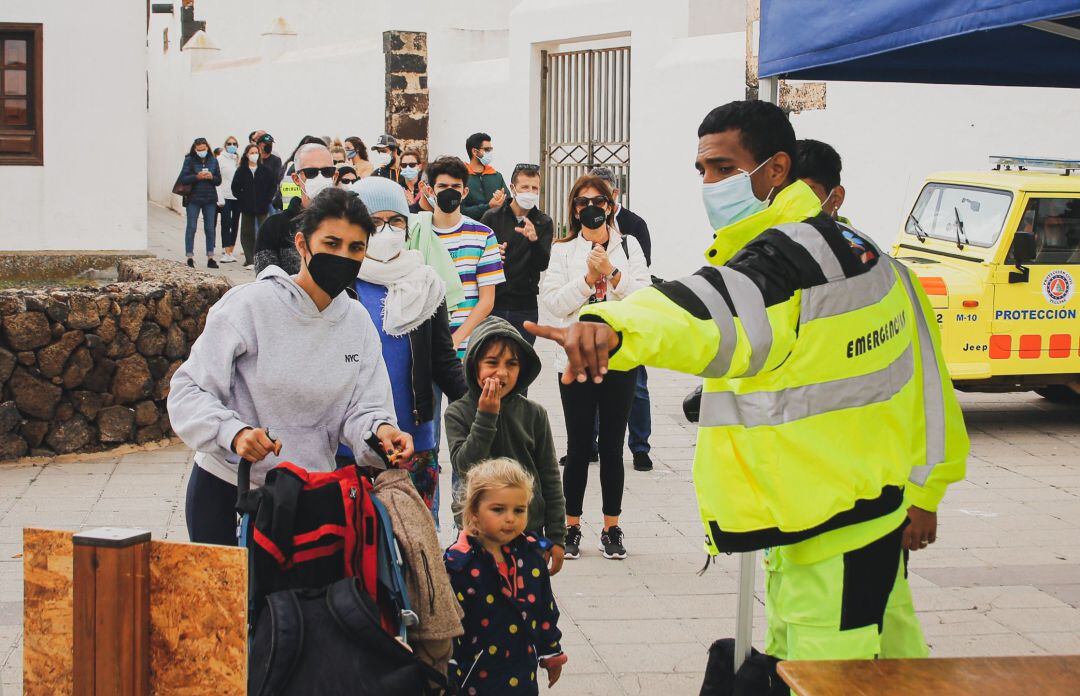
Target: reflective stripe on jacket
{"x": 825, "y": 389}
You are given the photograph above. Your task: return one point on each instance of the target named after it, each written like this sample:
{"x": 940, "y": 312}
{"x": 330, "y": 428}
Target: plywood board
{"x": 198, "y": 617}
{"x": 47, "y": 607}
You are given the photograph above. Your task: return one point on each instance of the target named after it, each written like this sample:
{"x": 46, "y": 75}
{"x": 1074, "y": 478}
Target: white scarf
{"x": 414, "y": 290}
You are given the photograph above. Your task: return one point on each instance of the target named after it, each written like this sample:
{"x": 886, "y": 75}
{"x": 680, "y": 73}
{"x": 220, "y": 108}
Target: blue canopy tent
{"x": 1032, "y": 43}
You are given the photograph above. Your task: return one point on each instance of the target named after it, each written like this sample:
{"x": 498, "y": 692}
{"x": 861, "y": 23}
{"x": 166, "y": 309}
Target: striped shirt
{"x": 475, "y": 251}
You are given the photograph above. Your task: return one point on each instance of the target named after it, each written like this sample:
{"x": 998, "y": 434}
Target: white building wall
{"x": 484, "y": 75}
{"x": 90, "y": 193}
{"x": 892, "y": 136}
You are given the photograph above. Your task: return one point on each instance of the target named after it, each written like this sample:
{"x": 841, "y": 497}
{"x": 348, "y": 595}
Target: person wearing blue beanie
{"x": 405, "y": 298}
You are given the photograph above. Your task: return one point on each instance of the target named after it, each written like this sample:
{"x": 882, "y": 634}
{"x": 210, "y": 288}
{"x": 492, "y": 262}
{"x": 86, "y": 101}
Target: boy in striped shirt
{"x": 473, "y": 247}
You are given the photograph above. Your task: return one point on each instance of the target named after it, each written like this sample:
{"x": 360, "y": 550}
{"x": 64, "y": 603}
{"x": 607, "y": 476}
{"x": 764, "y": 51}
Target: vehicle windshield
{"x": 974, "y": 215}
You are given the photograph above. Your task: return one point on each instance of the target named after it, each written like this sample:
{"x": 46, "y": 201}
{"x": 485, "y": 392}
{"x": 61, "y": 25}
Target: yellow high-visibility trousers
{"x": 855, "y": 605}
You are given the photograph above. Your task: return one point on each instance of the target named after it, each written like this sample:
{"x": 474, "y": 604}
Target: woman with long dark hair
{"x": 201, "y": 172}
{"x": 253, "y": 185}
{"x": 593, "y": 264}
{"x": 266, "y": 380}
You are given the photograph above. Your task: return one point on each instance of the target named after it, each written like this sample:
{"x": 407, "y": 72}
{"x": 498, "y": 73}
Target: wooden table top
{"x": 974, "y": 676}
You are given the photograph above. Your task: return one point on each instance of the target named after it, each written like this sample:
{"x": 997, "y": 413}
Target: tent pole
{"x": 769, "y": 90}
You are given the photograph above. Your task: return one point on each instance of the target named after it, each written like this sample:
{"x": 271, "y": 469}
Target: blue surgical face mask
{"x": 231, "y": 149}
{"x": 201, "y": 154}
{"x": 410, "y": 173}
{"x": 486, "y": 159}
{"x": 732, "y": 199}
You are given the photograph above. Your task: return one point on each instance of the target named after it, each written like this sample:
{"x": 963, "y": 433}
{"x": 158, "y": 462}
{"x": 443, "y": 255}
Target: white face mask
{"x": 253, "y": 158}
{"x": 313, "y": 187}
{"x": 732, "y": 199}
{"x": 380, "y": 159}
{"x": 527, "y": 200}
{"x": 385, "y": 244}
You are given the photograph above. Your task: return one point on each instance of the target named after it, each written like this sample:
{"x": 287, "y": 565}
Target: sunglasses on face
{"x": 312, "y": 172}
{"x": 409, "y": 165}
{"x": 233, "y": 142}
{"x": 398, "y": 222}
{"x": 346, "y": 181}
{"x": 598, "y": 201}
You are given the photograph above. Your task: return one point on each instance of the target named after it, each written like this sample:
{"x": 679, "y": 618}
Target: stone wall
{"x": 407, "y": 88}
{"x": 86, "y": 369}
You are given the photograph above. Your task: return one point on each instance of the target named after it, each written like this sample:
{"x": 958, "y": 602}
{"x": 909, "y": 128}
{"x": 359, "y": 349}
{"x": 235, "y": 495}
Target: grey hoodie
{"x": 520, "y": 431}
{"x": 269, "y": 358}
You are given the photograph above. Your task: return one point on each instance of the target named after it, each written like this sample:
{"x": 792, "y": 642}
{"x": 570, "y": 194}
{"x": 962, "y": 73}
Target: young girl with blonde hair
{"x": 500, "y": 576}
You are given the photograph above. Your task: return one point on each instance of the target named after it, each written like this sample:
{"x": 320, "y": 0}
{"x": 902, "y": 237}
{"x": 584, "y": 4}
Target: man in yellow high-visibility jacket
{"x": 829, "y": 428}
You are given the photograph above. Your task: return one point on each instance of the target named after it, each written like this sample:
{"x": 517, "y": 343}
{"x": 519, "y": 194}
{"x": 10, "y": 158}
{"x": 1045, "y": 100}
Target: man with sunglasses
{"x": 487, "y": 188}
{"x": 524, "y": 233}
{"x": 313, "y": 172}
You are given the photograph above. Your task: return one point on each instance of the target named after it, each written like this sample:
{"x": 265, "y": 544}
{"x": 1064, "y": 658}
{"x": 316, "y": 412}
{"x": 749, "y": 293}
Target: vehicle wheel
{"x": 1060, "y": 393}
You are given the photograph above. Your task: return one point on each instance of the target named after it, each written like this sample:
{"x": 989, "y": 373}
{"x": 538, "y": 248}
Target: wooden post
{"x": 111, "y": 612}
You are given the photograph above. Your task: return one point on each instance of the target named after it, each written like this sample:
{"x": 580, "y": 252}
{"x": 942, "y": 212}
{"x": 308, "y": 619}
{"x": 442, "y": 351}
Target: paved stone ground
{"x": 1003, "y": 578}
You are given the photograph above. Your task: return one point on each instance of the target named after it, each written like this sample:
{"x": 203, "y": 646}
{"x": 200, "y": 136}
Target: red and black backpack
{"x": 309, "y": 529}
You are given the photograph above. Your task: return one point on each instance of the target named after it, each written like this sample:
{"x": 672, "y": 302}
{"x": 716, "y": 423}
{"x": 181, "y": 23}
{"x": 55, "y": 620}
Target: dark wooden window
{"x": 21, "y": 137}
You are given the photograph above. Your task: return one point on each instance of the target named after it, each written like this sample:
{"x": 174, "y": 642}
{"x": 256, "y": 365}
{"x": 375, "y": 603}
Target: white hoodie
{"x": 269, "y": 358}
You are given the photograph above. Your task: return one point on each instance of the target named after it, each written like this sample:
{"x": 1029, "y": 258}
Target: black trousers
{"x": 582, "y": 403}
{"x": 210, "y": 509}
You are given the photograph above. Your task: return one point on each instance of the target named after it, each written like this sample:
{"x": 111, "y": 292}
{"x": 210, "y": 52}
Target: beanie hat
{"x": 378, "y": 193}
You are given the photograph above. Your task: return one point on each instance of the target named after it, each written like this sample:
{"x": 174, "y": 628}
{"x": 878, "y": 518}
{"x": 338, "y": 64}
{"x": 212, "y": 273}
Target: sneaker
{"x": 573, "y": 541}
{"x": 210, "y": 263}
{"x": 611, "y": 543}
{"x": 191, "y": 263}
{"x": 228, "y": 258}
{"x": 642, "y": 462}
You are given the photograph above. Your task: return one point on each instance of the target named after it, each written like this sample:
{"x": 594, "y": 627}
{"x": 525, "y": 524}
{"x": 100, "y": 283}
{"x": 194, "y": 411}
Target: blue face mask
{"x": 231, "y": 149}
{"x": 202, "y": 155}
{"x": 486, "y": 159}
{"x": 732, "y": 199}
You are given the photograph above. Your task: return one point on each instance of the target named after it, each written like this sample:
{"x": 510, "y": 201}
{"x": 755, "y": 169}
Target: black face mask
{"x": 333, "y": 273}
{"x": 448, "y": 200}
{"x": 592, "y": 216}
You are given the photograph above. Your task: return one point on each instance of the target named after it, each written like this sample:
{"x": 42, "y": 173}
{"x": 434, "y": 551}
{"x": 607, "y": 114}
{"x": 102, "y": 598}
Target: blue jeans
{"x": 640, "y": 424}
{"x": 517, "y": 319}
{"x": 209, "y": 213}
{"x": 230, "y": 223}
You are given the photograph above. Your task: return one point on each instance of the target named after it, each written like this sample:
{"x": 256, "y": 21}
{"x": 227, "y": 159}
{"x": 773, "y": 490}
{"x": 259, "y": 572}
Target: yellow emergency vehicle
{"x": 998, "y": 253}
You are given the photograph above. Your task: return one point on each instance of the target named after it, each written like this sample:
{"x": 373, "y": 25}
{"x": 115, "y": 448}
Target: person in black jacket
{"x": 639, "y": 427}
{"x": 202, "y": 174}
{"x": 253, "y": 186}
{"x": 272, "y": 162}
{"x": 524, "y": 233}
{"x": 313, "y": 171}
{"x": 406, "y": 300}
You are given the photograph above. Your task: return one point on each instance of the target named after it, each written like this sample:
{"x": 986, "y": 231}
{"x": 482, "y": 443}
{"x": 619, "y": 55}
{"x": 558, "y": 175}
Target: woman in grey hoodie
{"x": 287, "y": 368}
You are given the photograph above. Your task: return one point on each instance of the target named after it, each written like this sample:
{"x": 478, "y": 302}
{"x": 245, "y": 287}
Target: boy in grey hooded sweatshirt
{"x": 520, "y": 430}
{"x": 268, "y": 358}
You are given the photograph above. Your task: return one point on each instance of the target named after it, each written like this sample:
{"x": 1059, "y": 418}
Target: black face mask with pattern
{"x": 592, "y": 216}
{"x": 448, "y": 200}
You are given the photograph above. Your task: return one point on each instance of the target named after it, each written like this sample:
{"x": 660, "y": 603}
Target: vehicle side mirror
{"x": 1023, "y": 247}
